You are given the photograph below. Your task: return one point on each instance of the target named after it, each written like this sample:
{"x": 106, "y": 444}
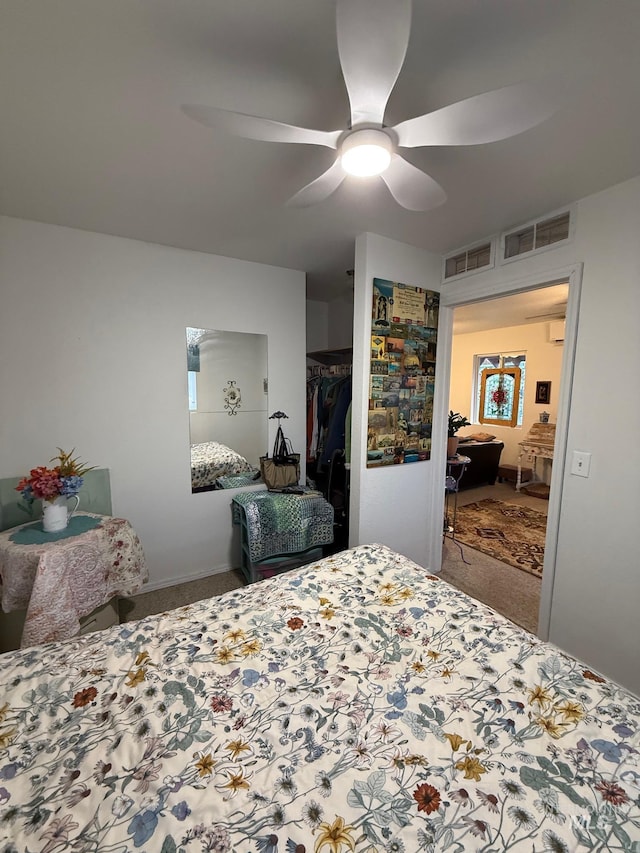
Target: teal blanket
{"x": 283, "y": 523}
{"x": 34, "y": 534}
{"x": 237, "y": 481}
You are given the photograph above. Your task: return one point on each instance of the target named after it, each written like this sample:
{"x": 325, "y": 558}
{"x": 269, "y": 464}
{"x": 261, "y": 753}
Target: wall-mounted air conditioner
{"x": 556, "y": 332}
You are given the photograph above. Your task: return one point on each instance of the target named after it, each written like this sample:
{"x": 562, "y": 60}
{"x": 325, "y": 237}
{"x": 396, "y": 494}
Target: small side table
{"x": 456, "y": 466}
{"x": 538, "y": 443}
{"x": 59, "y": 578}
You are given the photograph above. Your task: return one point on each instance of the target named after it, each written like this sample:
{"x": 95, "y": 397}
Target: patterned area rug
{"x": 510, "y": 533}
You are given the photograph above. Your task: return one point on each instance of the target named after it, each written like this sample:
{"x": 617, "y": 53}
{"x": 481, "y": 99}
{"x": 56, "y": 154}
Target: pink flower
{"x": 47, "y": 483}
{"x": 44, "y": 482}
{"x": 476, "y": 827}
{"x": 220, "y": 704}
{"x": 145, "y": 775}
{"x": 489, "y": 800}
{"x": 58, "y": 833}
{"x": 338, "y": 699}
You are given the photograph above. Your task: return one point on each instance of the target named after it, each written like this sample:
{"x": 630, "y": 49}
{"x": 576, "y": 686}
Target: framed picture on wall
{"x": 543, "y": 392}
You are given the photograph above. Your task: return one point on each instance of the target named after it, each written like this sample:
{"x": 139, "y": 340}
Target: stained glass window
{"x": 492, "y": 362}
{"x": 499, "y": 396}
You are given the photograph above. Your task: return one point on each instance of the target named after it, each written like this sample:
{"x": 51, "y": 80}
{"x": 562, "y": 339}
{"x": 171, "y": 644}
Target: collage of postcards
{"x": 404, "y": 331}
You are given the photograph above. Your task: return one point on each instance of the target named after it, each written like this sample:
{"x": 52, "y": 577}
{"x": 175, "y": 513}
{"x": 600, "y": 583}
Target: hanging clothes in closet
{"x": 328, "y": 437}
{"x": 328, "y": 400}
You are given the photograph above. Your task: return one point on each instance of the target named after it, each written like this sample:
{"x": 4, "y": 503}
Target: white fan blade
{"x": 483, "y": 118}
{"x": 319, "y": 189}
{"x": 372, "y": 42}
{"x": 254, "y": 127}
{"x": 411, "y": 187}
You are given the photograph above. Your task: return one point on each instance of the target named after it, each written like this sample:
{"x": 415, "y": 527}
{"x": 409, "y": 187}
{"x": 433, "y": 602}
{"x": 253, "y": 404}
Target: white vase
{"x": 56, "y": 513}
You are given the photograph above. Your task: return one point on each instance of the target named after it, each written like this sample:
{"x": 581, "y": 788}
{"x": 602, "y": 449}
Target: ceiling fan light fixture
{"x": 365, "y": 153}
{"x": 373, "y": 37}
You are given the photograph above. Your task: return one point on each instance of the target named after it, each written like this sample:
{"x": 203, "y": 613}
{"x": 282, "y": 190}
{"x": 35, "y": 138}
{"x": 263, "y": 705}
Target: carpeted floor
{"x": 170, "y": 597}
{"x": 514, "y": 593}
{"x": 510, "y": 533}
{"x": 509, "y": 591}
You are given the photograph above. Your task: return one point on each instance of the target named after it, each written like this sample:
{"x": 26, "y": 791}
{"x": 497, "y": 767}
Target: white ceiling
{"x": 543, "y": 305}
{"x": 92, "y": 135}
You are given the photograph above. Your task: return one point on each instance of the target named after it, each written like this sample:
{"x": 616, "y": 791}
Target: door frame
{"x": 466, "y": 292}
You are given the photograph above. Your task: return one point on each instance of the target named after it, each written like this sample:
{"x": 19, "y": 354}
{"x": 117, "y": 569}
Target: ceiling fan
{"x": 372, "y": 43}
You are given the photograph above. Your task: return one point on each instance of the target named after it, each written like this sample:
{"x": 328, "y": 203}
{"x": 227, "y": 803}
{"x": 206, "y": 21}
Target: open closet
{"x": 329, "y": 432}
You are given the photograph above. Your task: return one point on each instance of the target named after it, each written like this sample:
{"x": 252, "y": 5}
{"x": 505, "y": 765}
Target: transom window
{"x": 468, "y": 260}
{"x": 537, "y": 235}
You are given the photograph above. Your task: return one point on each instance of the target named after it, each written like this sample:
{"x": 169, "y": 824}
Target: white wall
{"x": 340, "y": 325}
{"x": 330, "y": 324}
{"x": 392, "y": 504}
{"x": 317, "y": 314}
{"x": 92, "y": 357}
{"x": 596, "y": 595}
{"x": 596, "y": 588}
{"x": 544, "y": 362}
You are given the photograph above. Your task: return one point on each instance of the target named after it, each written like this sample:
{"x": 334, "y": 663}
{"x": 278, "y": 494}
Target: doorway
{"x": 457, "y": 295}
{"x": 499, "y": 549}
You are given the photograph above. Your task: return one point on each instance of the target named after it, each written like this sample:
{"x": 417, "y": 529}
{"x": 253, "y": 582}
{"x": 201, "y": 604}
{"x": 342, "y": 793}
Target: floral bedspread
{"x": 211, "y": 460}
{"x": 355, "y": 705}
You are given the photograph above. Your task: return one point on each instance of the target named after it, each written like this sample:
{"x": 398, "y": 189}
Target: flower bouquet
{"x": 47, "y": 484}
{"x": 54, "y": 487}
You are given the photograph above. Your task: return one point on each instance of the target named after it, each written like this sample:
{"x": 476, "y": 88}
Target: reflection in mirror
{"x": 227, "y": 379}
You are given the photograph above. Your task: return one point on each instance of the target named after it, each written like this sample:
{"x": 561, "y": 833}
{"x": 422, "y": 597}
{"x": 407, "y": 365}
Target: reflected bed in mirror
{"x": 227, "y": 380}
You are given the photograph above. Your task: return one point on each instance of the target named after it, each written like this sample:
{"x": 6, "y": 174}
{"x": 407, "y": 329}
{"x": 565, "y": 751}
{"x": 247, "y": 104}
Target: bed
{"x": 211, "y": 461}
{"x": 357, "y": 704}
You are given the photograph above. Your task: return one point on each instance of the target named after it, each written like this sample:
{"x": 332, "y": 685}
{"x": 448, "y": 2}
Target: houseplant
{"x": 456, "y": 422}
{"x": 54, "y": 486}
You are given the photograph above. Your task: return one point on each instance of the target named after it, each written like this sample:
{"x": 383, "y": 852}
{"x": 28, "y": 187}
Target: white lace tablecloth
{"x": 60, "y": 582}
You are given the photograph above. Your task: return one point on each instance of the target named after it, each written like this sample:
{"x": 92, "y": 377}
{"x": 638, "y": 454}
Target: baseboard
{"x": 152, "y": 586}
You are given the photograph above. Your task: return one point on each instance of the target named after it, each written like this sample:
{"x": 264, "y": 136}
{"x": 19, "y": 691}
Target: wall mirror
{"x": 227, "y": 381}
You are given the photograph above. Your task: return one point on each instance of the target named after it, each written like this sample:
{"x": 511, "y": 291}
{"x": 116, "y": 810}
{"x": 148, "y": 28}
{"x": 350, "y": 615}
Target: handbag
{"x": 282, "y": 470}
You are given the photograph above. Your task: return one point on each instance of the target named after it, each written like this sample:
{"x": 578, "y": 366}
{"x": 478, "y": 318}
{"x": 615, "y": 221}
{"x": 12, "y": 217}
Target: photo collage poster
{"x": 404, "y": 331}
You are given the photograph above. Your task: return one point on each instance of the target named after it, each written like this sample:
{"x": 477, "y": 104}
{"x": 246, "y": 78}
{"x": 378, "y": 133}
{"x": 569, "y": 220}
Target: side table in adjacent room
{"x": 456, "y": 466}
{"x": 537, "y": 444}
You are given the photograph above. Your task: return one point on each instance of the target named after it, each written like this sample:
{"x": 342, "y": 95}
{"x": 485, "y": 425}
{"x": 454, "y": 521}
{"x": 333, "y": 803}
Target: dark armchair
{"x": 485, "y": 459}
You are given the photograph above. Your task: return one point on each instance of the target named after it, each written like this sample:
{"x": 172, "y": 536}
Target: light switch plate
{"x": 580, "y": 463}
